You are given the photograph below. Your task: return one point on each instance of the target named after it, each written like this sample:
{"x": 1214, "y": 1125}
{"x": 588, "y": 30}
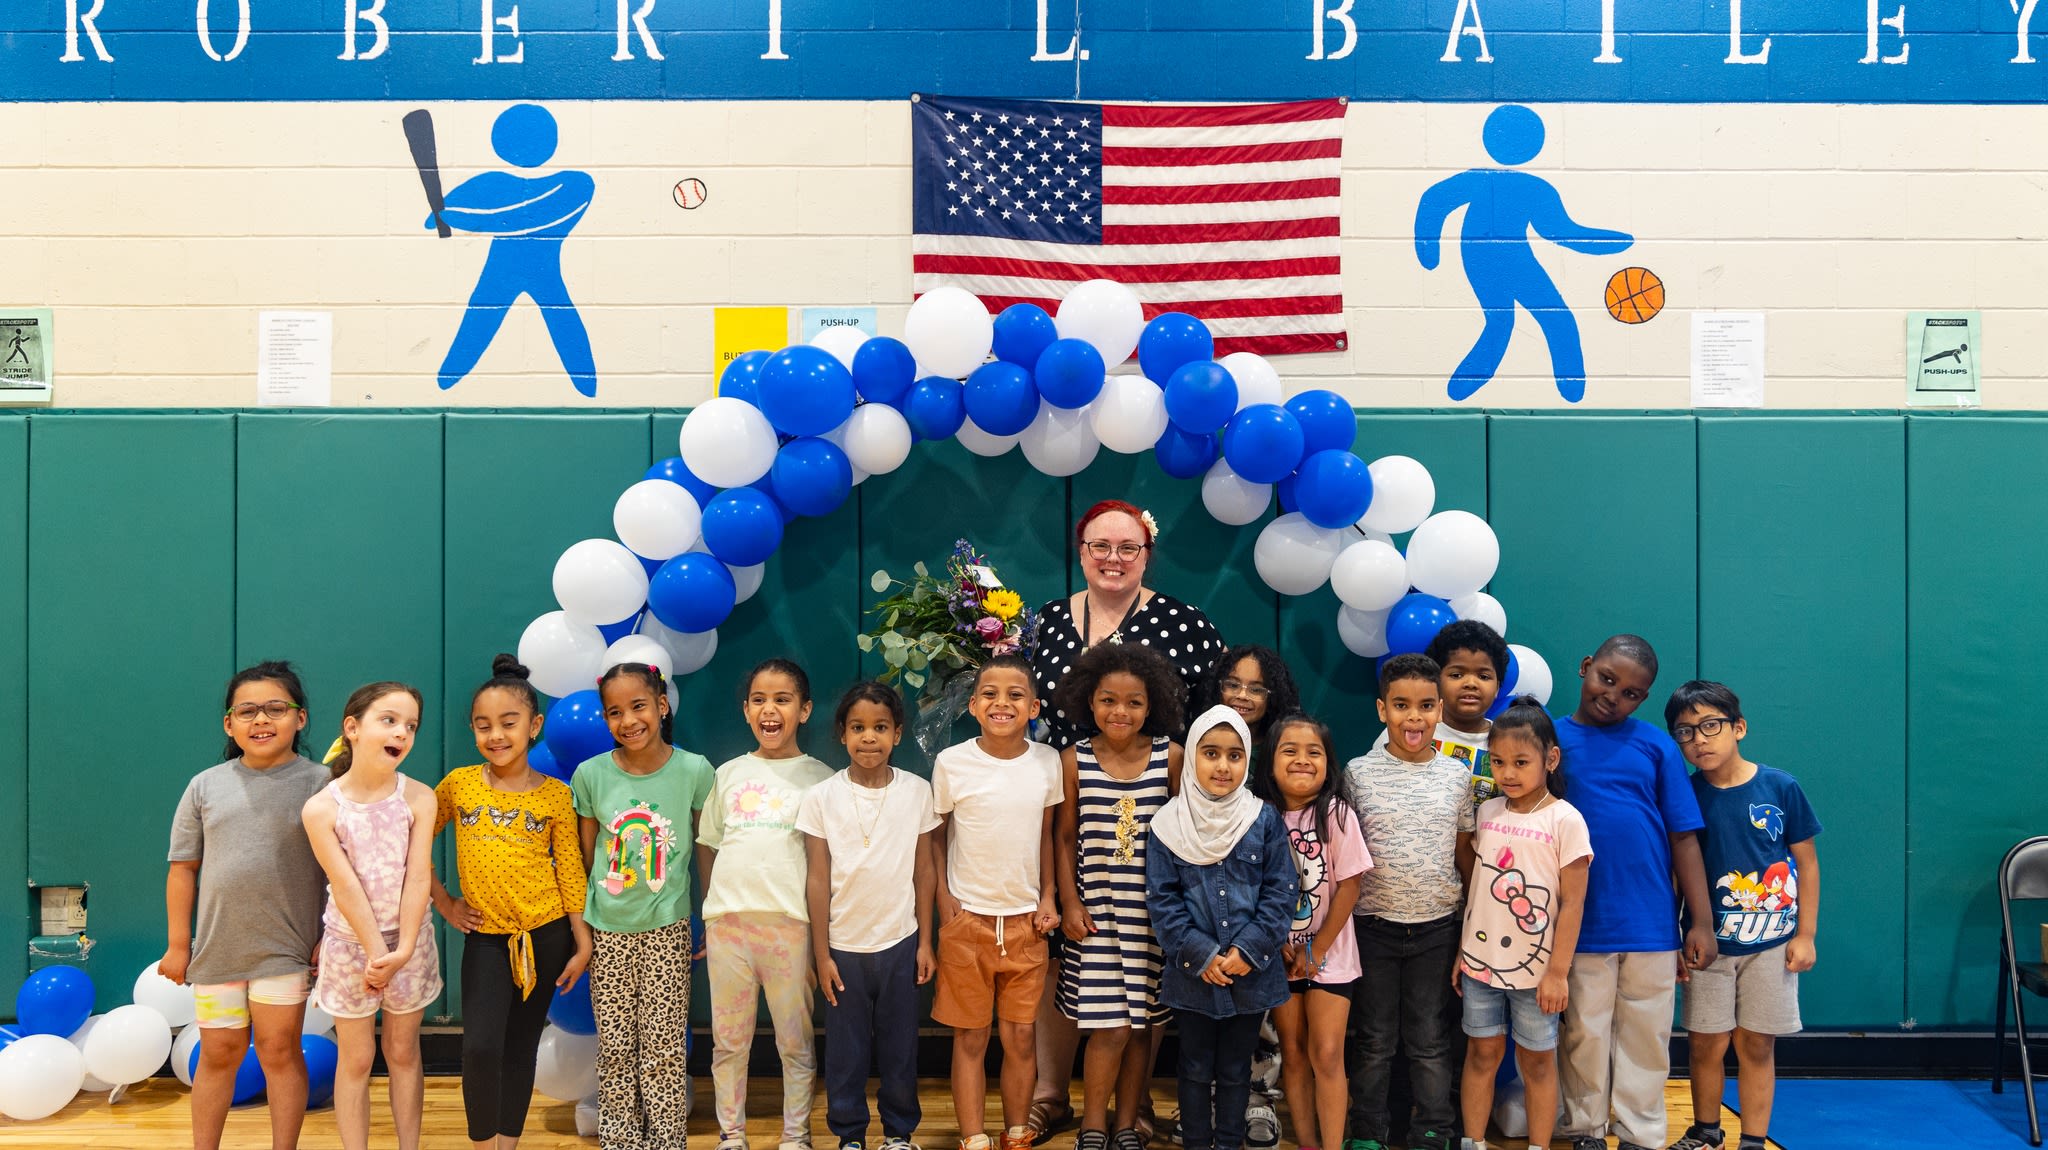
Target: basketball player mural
{"x": 529, "y": 216}
{"x": 1501, "y": 208}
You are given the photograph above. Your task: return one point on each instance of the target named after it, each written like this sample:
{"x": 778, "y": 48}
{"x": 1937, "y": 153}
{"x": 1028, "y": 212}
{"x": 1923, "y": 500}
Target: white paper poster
{"x": 294, "y": 359}
{"x": 1727, "y": 359}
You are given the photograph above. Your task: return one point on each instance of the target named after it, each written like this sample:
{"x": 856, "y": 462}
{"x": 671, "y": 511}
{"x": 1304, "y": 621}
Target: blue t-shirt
{"x": 1629, "y": 780}
{"x": 1747, "y": 845}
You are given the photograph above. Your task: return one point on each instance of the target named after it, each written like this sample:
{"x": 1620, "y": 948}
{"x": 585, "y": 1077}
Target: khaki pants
{"x": 1615, "y": 1052}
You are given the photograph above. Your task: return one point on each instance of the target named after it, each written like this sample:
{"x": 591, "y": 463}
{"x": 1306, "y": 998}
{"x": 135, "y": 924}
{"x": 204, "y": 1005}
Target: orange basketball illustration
{"x": 1634, "y": 295}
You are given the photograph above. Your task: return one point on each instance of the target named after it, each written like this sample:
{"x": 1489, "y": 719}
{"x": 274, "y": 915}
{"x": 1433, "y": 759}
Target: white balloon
{"x": 1369, "y": 575}
{"x": 877, "y": 439}
{"x": 90, "y": 1085}
{"x": 1511, "y": 1108}
{"x": 1484, "y": 608}
{"x": 1364, "y": 632}
{"x": 746, "y": 581}
{"x": 181, "y": 1052}
{"x": 317, "y": 1020}
{"x": 1060, "y": 441}
{"x": 560, "y": 656}
{"x": 1257, "y": 382}
{"x": 1104, "y": 313}
{"x": 691, "y": 651}
{"x": 39, "y": 1075}
{"x": 1294, "y": 556}
{"x": 1402, "y": 495}
{"x": 129, "y": 1044}
{"x": 982, "y": 443}
{"x": 1233, "y": 499}
{"x": 1532, "y": 674}
{"x": 727, "y": 442}
{"x": 1452, "y": 553}
{"x": 565, "y": 1066}
{"x": 842, "y": 342}
{"x": 598, "y": 581}
{"x": 169, "y": 999}
{"x": 656, "y": 519}
{"x": 1130, "y": 414}
{"x": 640, "y": 649}
{"x": 948, "y": 331}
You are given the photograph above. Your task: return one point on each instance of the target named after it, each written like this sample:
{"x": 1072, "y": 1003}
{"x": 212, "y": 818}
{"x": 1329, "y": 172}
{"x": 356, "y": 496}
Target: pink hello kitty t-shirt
{"x": 1510, "y": 911}
{"x": 1321, "y": 866}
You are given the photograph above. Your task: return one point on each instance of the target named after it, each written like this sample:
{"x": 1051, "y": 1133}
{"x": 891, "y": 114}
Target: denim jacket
{"x": 1198, "y": 912}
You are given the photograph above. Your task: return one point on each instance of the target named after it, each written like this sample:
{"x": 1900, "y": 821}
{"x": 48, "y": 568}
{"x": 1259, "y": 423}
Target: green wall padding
{"x": 1800, "y": 599}
{"x": 16, "y": 908}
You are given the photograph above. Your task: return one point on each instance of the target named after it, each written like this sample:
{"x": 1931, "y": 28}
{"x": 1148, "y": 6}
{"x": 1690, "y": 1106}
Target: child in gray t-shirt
{"x": 257, "y": 898}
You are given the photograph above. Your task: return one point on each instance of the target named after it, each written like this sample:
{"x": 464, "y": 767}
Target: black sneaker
{"x": 1092, "y": 1140}
{"x": 1588, "y": 1142}
{"x": 1127, "y": 1139}
{"x": 1698, "y": 1137}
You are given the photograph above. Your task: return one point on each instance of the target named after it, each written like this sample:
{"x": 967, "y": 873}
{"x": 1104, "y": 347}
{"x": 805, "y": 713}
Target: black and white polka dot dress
{"x": 1175, "y": 629}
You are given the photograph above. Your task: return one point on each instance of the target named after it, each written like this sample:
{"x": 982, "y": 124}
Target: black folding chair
{"x": 2022, "y": 875}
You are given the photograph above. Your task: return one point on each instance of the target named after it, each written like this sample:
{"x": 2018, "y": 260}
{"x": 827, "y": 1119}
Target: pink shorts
{"x": 340, "y": 990}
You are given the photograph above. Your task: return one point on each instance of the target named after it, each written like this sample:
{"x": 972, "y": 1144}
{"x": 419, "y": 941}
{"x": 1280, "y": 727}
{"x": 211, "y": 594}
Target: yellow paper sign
{"x": 738, "y": 330}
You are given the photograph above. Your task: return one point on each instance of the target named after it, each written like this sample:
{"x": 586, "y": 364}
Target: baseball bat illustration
{"x": 419, "y": 133}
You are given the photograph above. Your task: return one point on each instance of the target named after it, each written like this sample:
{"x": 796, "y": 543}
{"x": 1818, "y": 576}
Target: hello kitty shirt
{"x": 1510, "y": 915}
{"x": 1321, "y": 866}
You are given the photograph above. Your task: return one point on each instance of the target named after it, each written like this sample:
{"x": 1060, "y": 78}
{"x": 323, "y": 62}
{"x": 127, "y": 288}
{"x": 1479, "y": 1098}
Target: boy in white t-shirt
{"x": 994, "y": 796}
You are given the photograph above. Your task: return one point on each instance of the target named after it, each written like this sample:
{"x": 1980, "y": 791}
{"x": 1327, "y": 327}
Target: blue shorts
{"x": 1489, "y": 1010}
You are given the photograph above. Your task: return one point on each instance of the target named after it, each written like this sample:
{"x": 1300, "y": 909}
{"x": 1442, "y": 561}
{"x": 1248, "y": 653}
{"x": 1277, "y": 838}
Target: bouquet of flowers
{"x": 934, "y": 632}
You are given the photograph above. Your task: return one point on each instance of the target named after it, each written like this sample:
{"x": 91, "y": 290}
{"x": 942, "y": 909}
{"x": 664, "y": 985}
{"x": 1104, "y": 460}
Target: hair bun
{"x": 509, "y": 667}
{"x": 1526, "y": 701}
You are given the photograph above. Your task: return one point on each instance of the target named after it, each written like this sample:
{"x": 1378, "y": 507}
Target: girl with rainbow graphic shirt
{"x": 637, "y": 809}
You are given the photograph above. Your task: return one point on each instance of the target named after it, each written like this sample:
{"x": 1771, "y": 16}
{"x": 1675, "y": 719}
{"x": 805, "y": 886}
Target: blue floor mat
{"x": 1854, "y": 1114}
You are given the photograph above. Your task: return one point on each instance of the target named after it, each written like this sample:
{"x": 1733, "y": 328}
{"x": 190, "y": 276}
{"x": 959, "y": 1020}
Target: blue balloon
{"x": 248, "y": 1076}
{"x": 1069, "y": 374}
{"x": 572, "y": 1010}
{"x": 1185, "y": 456}
{"x": 1334, "y": 489}
{"x": 1001, "y": 399}
{"x": 692, "y": 592}
{"x": 543, "y": 760}
{"x": 936, "y": 408}
{"x": 812, "y": 477}
{"x": 1200, "y": 398}
{"x": 1263, "y": 444}
{"x": 742, "y": 527}
{"x": 575, "y": 729}
{"x": 1023, "y": 331}
{"x": 766, "y": 486}
{"x": 1327, "y": 421}
{"x": 883, "y": 371}
{"x": 675, "y": 471}
{"x": 1283, "y": 491}
{"x": 8, "y": 1036}
{"x": 322, "y": 1058}
{"x": 613, "y": 632}
{"x": 741, "y": 378}
{"x": 1414, "y": 621}
{"x": 806, "y": 391}
{"x": 1172, "y": 340}
{"x": 54, "y": 1000}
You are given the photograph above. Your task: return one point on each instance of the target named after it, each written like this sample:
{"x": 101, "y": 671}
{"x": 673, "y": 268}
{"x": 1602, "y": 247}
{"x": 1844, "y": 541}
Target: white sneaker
{"x": 1261, "y": 1128}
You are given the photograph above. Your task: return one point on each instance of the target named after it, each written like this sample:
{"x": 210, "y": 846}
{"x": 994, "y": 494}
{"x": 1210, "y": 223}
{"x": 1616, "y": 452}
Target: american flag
{"x": 1228, "y": 212}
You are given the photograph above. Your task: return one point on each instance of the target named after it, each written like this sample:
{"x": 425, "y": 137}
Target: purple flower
{"x": 989, "y": 628}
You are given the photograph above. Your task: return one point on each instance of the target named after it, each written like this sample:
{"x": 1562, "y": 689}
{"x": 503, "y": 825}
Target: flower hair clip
{"x": 1151, "y": 525}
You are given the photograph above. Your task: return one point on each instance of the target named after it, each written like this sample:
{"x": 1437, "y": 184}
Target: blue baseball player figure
{"x": 1501, "y": 207}
{"x": 530, "y": 216}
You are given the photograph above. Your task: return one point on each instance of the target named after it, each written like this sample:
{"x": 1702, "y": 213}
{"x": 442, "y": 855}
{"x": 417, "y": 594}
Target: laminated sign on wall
{"x": 1942, "y": 351}
{"x": 26, "y": 353}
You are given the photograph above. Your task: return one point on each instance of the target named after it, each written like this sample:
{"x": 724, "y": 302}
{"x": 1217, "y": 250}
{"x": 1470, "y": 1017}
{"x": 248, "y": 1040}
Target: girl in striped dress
{"x": 1116, "y": 778}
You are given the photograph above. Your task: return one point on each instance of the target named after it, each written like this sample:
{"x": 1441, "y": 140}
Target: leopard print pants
{"x": 640, "y": 991}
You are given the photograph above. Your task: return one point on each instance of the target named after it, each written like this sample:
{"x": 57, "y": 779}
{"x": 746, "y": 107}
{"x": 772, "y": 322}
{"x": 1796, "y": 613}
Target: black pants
{"x": 1399, "y": 1004}
{"x": 500, "y": 1030}
{"x": 1215, "y": 1078}
{"x": 874, "y": 1026}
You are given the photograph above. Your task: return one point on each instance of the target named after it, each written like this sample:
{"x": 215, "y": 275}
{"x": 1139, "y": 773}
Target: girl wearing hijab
{"x": 1221, "y": 887}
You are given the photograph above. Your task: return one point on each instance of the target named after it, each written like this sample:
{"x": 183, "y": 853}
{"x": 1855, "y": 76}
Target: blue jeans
{"x": 1215, "y": 1078}
{"x": 1402, "y": 1003}
{"x": 874, "y": 1026}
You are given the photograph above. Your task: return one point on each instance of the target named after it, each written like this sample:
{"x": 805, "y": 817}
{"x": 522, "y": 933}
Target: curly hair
{"x": 1163, "y": 687}
{"x": 1282, "y": 696}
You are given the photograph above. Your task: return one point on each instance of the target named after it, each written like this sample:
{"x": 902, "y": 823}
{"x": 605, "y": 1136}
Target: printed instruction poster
{"x": 294, "y": 359}
{"x": 817, "y": 319}
{"x": 26, "y": 354}
{"x": 1727, "y": 359}
{"x": 736, "y": 331}
{"x": 1942, "y": 354}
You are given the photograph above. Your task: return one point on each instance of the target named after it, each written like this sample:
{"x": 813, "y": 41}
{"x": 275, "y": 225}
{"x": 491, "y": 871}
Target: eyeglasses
{"x": 1248, "y": 690}
{"x": 275, "y": 712}
{"x": 1100, "y": 549}
{"x": 1707, "y": 728}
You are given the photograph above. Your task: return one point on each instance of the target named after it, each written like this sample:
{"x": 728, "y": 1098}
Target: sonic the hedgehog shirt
{"x": 1747, "y": 845}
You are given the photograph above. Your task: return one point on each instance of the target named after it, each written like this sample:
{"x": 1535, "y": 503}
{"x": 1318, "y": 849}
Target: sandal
{"x": 1046, "y": 1118}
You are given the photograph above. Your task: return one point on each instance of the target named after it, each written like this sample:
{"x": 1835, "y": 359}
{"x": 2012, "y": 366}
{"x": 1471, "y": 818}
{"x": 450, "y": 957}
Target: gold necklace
{"x": 881, "y": 800}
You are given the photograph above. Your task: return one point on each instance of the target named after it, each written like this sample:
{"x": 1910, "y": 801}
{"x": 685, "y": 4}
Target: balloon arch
{"x": 792, "y": 432}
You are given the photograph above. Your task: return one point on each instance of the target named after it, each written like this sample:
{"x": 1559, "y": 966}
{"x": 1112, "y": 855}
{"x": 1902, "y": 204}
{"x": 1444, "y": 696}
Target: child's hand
{"x": 829, "y": 981}
{"x": 177, "y": 958}
{"x": 577, "y": 963}
{"x": 1077, "y": 924}
{"x": 1234, "y": 963}
{"x": 1701, "y": 949}
{"x": 1799, "y": 955}
{"x": 946, "y": 905}
{"x": 1296, "y": 958}
{"x": 1214, "y": 974}
{"x": 1554, "y": 993}
{"x": 1047, "y": 917}
{"x": 460, "y": 915}
{"x": 927, "y": 965}
{"x": 378, "y": 973}
{"x": 1458, "y": 979}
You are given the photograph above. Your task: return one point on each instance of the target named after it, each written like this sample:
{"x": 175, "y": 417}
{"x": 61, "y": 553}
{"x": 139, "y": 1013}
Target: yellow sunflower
{"x": 1004, "y": 604}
